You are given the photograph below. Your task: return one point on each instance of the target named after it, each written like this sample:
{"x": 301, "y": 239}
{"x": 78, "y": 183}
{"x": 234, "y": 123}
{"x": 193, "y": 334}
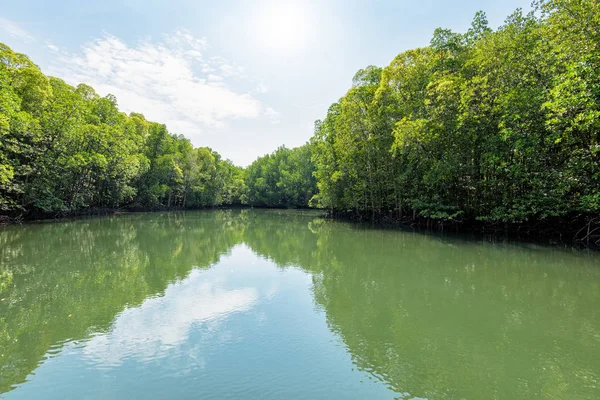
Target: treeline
{"x": 64, "y": 149}
{"x": 282, "y": 179}
{"x": 498, "y": 126}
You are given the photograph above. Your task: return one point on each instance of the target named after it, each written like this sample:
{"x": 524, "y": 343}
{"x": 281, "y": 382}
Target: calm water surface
{"x": 284, "y": 305}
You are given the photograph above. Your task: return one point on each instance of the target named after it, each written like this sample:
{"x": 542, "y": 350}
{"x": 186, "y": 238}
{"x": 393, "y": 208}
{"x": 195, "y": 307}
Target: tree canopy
{"x": 66, "y": 149}
{"x": 499, "y": 126}
{"x": 282, "y": 179}
{"x": 494, "y": 126}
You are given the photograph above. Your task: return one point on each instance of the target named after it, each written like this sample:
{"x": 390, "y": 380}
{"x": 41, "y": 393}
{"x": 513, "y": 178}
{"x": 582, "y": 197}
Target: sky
{"x": 241, "y": 77}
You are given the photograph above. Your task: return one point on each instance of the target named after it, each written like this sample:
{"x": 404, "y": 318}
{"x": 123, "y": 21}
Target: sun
{"x": 283, "y": 26}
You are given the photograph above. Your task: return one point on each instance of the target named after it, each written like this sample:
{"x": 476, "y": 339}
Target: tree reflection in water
{"x": 437, "y": 317}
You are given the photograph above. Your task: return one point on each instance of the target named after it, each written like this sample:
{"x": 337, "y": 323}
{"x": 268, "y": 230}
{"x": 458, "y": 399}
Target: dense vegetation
{"x": 282, "y": 179}
{"x": 491, "y": 126}
{"x": 66, "y": 149}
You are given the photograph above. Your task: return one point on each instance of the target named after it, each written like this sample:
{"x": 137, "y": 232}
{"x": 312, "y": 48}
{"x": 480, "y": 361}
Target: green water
{"x": 285, "y": 305}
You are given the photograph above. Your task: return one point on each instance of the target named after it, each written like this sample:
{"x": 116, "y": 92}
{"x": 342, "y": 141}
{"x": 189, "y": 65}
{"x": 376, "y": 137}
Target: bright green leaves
{"x": 497, "y": 126}
{"x": 281, "y": 179}
{"x": 6, "y": 174}
{"x": 492, "y": 125}
{"x": 64, "y": 149}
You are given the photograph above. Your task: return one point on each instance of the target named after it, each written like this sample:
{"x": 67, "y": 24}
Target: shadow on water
{"x": 440, "y": 317}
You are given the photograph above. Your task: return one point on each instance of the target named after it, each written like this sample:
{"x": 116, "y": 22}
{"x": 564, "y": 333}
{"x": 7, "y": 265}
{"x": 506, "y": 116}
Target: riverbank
{"x": 578, "y": 230}
{"x": 91, "y": 212}
{"x": 575, "y": 230}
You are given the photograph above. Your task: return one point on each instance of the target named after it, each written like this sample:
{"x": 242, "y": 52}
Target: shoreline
{"x": 579, "y": 231}
{"x": 108, "y": 211}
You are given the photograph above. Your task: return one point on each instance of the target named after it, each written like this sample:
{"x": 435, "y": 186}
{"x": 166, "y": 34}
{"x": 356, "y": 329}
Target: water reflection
{"x": 161, "y": 324}
{"x": 439, "y": 318}
{"x": 68, "y": 280}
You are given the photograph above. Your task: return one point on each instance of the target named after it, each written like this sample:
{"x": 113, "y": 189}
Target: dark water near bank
{"x": 285, "y": 305}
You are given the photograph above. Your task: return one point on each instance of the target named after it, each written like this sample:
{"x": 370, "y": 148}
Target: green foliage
{"x": 490, "y": 125}
{"x": 281, "y": 179}
{"x": 65, "y": 149}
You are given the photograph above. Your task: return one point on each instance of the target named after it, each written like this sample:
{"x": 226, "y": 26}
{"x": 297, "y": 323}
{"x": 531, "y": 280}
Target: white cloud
{"x": 273, "y": 115}
{"x": 53, "y": 48}
{"x": 171, "y": 82}
{"x": 262, "y": 88}
{"x": 14, "y": 30}
{"x": 227, "y": 68}
{"x": 215, "y": 78}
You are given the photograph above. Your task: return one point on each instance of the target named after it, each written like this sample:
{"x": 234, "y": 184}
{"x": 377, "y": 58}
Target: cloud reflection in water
{"x": 149, "y": 331}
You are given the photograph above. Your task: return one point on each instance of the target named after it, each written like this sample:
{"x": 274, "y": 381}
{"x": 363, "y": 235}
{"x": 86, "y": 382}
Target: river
{"x": 267, "y": 304}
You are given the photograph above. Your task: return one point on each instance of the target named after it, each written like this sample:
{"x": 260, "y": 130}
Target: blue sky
{"x": 242, "y": 77}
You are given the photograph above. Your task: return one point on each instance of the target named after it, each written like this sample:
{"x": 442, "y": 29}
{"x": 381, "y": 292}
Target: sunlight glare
{"x": 284, "y": 26}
